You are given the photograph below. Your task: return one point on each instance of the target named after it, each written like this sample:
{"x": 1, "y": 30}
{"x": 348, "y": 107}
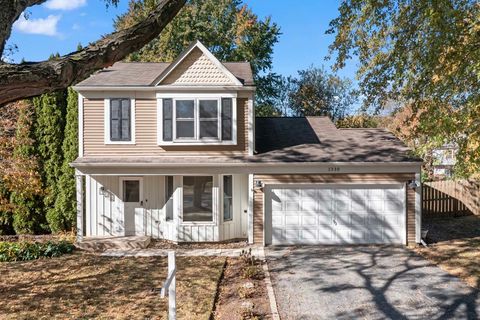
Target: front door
{"x": 132, "y": 195}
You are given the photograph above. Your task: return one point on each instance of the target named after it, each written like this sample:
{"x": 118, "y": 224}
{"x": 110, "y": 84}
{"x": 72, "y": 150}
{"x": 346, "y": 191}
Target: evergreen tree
{"x": 27, "y": 211}
{"x": 49, "y": 135}
{"x": 64, "y": 212}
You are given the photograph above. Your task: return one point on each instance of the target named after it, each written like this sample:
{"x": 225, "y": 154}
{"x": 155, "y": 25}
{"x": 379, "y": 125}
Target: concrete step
{"x": 101, "y": 244}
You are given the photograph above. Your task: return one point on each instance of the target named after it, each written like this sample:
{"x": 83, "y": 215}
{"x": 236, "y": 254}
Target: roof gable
{"x": 197, "y": 66}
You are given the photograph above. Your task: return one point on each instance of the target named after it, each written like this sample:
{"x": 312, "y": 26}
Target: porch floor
{"x": 100, "y": 244}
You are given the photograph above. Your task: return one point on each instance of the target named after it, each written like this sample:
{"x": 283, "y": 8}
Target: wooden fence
{"x": 451, "y": 198}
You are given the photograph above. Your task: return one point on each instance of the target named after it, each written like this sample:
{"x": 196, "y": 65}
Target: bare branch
{"x": 19, "y": 81}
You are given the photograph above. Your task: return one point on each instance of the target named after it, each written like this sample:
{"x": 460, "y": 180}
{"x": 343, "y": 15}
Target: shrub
{"x": 23, "y": 251}
{"x": 252, "y": 272}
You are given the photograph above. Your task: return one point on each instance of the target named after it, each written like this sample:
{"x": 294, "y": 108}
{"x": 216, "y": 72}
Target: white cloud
{"x": 44, "y": 26}
{"x": 76, "y": 26}
{"x": 65, "y": 4}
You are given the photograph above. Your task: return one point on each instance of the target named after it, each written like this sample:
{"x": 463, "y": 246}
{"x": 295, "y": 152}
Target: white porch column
{"x": 250, "y": 209}
{"x": 79, "y": 187}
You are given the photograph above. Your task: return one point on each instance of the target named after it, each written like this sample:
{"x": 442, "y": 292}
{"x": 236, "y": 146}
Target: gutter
{"x": 161, "y": 88}
{"x": 243, "y": 164}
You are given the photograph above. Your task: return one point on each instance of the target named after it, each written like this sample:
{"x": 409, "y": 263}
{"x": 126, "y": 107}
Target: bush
{"x": 23, "y": 251}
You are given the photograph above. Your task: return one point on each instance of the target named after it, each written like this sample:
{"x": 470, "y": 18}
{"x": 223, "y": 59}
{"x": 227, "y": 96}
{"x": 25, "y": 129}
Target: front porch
{"x": 178, "y": 208}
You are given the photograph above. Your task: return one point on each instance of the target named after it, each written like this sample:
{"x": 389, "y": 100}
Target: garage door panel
{"x": 325, "y": 195}
{"x": 309, "y": 234}
{"x": 293, "y": 220}
{"x": 292, "y": 206}
{"x": 325, "y": 219}
{"x": 342, "y": 220}
{"x": 338, "y": 214}
{"x": 309, "y": 205}
{"x": 342, "y": 205}
{"x": 278, "y": 220}
{"x": 310, "y": 220}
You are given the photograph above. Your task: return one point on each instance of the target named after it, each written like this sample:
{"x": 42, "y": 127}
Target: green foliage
{"x": 229, "y": 29}
{"x": 416, "y": 52}
{"x": 360, "y": 121}
{"x": 62, "y": 217}
{"x": 23, "y": 251}
{"x": 26, "y": 205}
{"x": 314, "y": 92}
{"x": 49, "y": 132}
{"x": 317, "y": 93}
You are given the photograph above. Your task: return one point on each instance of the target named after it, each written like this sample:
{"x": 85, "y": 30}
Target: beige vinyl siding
{"x": 146, "y": 133}
{"x": 258, "y": 198}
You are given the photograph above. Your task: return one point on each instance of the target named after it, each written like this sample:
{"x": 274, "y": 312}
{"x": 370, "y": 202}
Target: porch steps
{"x": 101, "y": 244}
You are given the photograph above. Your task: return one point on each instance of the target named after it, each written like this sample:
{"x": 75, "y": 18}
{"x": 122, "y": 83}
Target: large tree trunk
{"x": 19, "y": 81}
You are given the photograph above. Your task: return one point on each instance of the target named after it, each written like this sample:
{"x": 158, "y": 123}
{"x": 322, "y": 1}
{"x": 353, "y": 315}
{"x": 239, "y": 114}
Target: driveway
{"x": 366, "y": 282}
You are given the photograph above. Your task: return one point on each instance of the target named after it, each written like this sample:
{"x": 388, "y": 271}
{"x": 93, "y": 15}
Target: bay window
{"x": 197, "y": 120}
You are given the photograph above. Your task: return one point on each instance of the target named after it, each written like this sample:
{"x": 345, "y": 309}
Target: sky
{"x": 60, "y": 25}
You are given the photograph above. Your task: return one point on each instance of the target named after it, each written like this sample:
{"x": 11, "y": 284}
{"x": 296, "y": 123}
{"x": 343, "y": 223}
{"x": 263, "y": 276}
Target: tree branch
{"x": 11, "y": 10}
{"x": 19, "y": 81}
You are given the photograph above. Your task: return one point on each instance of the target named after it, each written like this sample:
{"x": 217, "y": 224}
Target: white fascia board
{"x": 241, "y": 168}
{"x": 169, "y": 88}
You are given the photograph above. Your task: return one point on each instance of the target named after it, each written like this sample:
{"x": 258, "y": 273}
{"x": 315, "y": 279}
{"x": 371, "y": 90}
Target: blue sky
{"x": 59, "y": 25}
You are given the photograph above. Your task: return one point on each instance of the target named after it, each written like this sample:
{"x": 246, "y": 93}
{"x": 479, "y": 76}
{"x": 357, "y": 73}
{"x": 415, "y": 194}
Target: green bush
{"x": 24, "y": 250}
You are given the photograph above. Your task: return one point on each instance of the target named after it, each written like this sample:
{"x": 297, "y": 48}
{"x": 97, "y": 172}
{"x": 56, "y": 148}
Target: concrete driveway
{"x": 365, "y": 282}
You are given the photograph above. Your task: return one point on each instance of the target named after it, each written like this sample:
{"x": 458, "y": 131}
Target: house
{"x": 444, "y": 160}
{"x": 174, "y": 151}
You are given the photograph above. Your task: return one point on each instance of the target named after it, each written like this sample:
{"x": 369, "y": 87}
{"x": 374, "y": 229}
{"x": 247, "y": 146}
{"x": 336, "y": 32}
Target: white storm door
{"x": 132, "y": 196}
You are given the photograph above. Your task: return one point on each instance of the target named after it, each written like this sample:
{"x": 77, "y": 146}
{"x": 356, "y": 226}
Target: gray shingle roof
{"x": 144, "y": 74}
{"x": 293, "y": 140}
{"x": 316, "y": 139}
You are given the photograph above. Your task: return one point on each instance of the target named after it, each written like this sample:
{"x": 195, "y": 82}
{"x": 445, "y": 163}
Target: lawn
{"x": 456, "y": 247}
{"x": 85, "y": 286}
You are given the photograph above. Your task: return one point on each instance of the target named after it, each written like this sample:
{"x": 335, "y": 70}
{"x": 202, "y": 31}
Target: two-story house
{"x": 174, "y": 151}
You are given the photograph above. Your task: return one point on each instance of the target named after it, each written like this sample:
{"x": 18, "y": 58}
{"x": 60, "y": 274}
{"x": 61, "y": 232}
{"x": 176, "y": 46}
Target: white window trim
{"x": 140, "y": 195}
{"x": 107, "y": 121}
{"x": 215, "y": 202}
{"x": 197, "y": 98}
{"x": 222, "y": 207}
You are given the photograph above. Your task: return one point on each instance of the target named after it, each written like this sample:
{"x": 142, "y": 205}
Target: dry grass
{"x": 456, "y": 248}
{"x": 84, "y": 286}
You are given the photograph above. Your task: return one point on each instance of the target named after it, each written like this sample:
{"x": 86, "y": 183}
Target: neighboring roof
{"x": 316, "y": 139}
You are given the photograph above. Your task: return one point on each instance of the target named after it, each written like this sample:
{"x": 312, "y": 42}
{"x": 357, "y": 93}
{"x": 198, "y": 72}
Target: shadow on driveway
{"x": 369, "y": 282}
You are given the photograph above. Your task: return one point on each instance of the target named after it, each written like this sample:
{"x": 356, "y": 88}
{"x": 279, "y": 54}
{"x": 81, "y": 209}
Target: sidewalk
{"x": 256, "y": 251}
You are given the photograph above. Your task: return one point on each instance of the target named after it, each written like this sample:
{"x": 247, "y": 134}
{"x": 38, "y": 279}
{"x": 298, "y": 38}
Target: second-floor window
{"x": 120, "y": 120}
{"x": 197, "y": 120}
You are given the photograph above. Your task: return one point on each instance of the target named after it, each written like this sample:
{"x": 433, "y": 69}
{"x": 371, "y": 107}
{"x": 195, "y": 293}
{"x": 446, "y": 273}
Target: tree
{"x": 64, "y": 211}
{"x": 418, "y": 51}
{"x": 229, "y": 29}
{"x": 317, "y": 93}
{"x": 19, "y": 81}
{"x": 24, "y": 202}
{"x": 49, "y": 131}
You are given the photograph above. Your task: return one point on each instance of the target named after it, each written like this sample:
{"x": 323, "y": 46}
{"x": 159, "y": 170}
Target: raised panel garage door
{"x": 335, "y": 214}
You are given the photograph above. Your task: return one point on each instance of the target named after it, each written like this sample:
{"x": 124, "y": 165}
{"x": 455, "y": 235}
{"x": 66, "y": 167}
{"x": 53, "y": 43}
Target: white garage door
{"x": 335, "y": 214}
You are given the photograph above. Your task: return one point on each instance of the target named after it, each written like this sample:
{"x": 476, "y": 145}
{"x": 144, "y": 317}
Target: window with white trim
{"x": 120, "y": 120}
{"x": 197, "y": 120}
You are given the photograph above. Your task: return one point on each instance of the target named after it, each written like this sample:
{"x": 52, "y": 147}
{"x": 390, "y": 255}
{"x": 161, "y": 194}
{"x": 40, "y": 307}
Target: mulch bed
{"x": 233, "y": 296}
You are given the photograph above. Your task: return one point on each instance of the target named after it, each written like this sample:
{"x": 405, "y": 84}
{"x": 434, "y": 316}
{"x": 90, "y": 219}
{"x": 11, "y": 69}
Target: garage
{"x": 335, "y": 214}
